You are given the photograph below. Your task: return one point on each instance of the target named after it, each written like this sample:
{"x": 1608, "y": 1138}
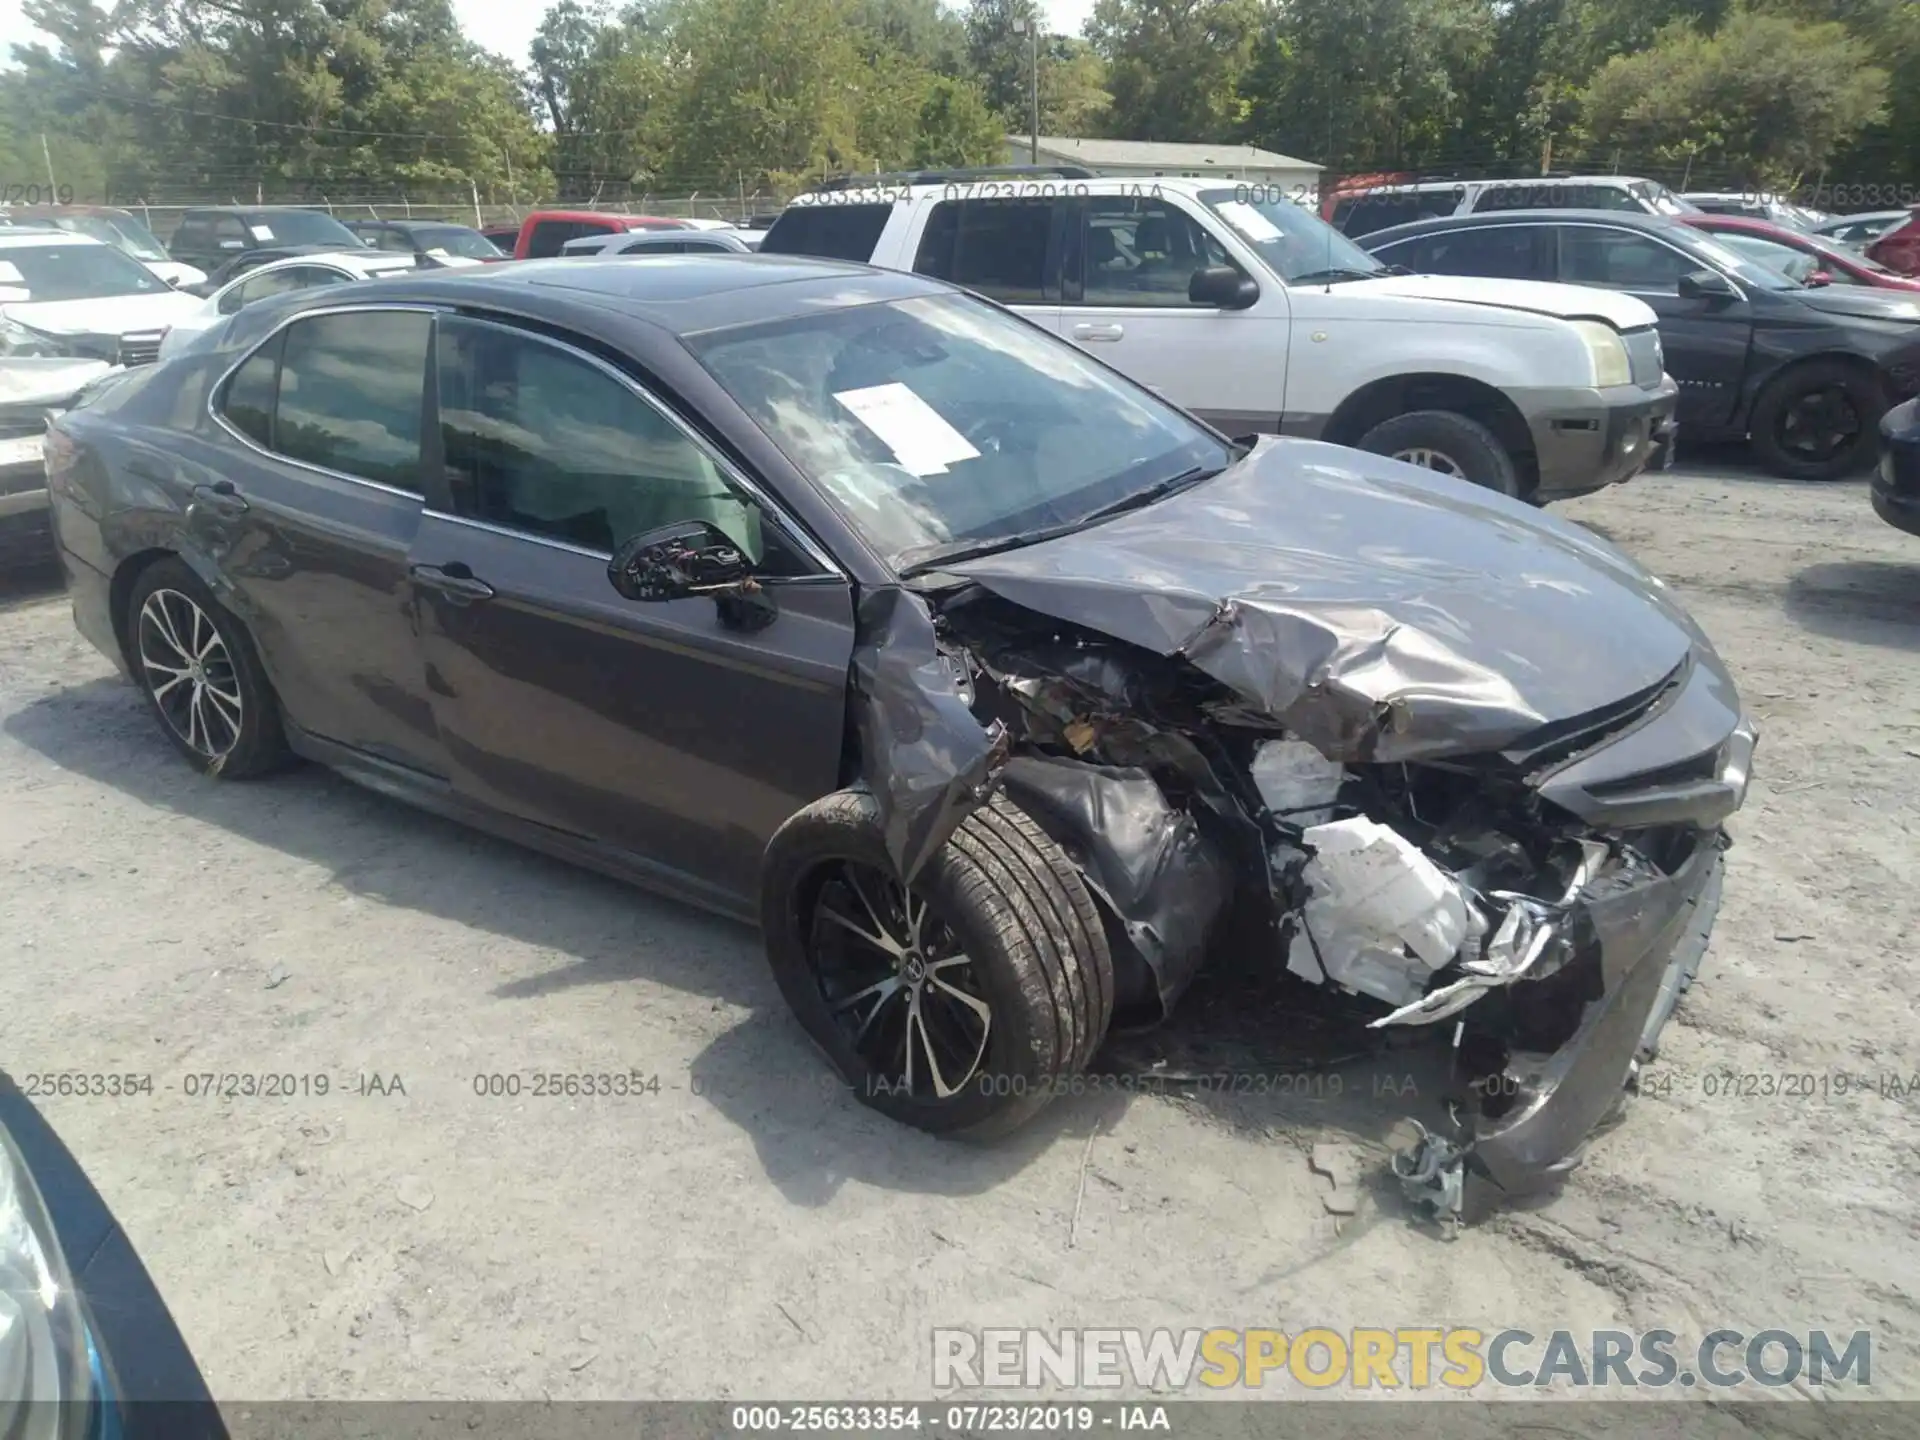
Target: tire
{"x": 230, "y": 725}
{"x": 1775, "y": 412}
{"x": 1469, "y": 450}
{"x": 999, "y": 895}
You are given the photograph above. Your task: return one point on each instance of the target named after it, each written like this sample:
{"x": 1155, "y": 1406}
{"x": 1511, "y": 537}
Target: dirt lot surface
{"x": 749, "y": 1231}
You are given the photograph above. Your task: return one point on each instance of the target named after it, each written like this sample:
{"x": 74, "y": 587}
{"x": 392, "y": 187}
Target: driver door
{"x": 654, "y": 728}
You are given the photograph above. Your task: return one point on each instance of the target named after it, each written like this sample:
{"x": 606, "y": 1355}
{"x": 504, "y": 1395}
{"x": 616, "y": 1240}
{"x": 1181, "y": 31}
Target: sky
{"x": 507, "y": 26}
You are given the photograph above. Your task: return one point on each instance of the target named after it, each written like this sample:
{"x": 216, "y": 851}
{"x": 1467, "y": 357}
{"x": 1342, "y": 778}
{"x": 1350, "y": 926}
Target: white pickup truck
{"x": 1237, "y": 303}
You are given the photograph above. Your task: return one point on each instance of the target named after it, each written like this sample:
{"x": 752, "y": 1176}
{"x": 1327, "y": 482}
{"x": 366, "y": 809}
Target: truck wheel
{"x": 1819, "y": 421}
{"x": 1448, "y": 442}
{"x": 957, "y": 1004}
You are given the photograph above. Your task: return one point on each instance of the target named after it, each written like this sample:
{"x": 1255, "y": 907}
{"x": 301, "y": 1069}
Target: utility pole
{"x": 1030, "y": 27}
{"x": 47, "y": 155}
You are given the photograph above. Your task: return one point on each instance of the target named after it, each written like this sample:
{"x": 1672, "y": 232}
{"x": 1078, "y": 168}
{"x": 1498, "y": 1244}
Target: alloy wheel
{"x": 1819, "y": 425}
{"x": 899, "y": 985}
{"x": 187, "y": 669}
{"x": 1429, "y": 459}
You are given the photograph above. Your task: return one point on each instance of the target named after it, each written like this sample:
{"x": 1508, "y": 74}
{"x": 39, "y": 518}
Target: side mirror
{"x": 1706, "y": 285}
{"x": 173, "y": 281}
{"x": 1222, "y": 286}
{"x": 677, "y": 562}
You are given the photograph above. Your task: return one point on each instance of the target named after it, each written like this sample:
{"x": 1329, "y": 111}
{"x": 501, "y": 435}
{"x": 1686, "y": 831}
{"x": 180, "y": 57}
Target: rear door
{"x": 1706, "y": 341}
{"x": 319, "y": 504}
{"x": 658, "y": 729}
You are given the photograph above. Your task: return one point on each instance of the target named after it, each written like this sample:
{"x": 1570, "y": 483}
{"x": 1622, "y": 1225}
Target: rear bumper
{"x": 1587, "y": 439}
{"x": 92, "y": 596}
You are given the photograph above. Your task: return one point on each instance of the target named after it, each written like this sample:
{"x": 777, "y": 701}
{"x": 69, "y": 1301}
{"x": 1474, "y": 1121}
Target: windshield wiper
{"x": 936, "y": 556}
{"x": 1334, "y": 275}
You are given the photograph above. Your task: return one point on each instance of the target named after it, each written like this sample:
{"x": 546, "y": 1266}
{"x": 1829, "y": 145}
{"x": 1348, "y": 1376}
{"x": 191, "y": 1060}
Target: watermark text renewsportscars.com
{"x": 1406, "y": 1357}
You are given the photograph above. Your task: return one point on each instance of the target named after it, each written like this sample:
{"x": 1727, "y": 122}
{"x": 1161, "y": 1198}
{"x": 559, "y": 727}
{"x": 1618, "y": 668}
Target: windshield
{"x": 943, "y": 420}
{"x": 301, "y": 227}
{"x": 1794, "y": 264}
{"x": 123, "y": 233}
{"x": 455, "y": 240}
{"x": 1296, "y": 244}
{"x": 1661, "y": 200}
{"x": 77, "y": 271}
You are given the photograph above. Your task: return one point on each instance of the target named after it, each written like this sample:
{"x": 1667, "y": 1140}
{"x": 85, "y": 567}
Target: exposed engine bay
{"x": 1444, "y": 889}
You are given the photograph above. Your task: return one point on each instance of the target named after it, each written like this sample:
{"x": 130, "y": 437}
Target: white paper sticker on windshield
{"x": 10, "y": 274}
{"x": 921, "y": 440}
{"x": 1248, "y": 221}
{"x": 261, "y": 232}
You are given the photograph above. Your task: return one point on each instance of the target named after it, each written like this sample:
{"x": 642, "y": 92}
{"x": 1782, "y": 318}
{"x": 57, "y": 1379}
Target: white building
{"x": 1153, "y": 157}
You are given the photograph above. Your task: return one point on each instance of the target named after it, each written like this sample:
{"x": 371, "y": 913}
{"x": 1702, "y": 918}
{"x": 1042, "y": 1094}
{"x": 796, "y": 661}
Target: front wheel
{"x": 1448, "y": 442}
{"x": 959, "y": 1004}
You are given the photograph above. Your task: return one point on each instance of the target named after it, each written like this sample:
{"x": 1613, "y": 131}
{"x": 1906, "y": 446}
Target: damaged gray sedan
{"x": 995, "y": 688}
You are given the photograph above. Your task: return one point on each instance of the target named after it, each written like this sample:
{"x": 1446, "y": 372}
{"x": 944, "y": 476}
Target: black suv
{"x": 1804, "y": 372}
{"x": 211, "y": 236}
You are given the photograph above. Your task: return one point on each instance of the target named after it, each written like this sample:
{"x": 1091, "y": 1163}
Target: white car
{"x": 72, "y": 295}
{"x": 1244, "y": 307}
{"x": 334, "y": 267}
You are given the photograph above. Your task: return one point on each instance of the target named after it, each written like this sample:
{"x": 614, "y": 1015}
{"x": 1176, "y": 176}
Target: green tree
{"x": 1765, "y": 99}
{"x": 1174, "y": 67}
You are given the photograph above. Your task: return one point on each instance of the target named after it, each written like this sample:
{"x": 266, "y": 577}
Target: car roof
{"x": 16, "y": 239}
{"x": 408, "y": 224}
{"x": 1016, "y": 187}
{"x": 680, "y": 294}
{"x": 607, "y": 215}
{"x": 1620, "y": 219}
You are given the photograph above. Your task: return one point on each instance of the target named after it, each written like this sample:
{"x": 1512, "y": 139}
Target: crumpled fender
{"x": 928, "y": 762}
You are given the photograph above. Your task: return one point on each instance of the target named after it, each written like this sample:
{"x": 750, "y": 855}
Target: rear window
{"x": 1364, "y": 214}
{"x": 829, "y": 231}
{"x": 301, "y": 227}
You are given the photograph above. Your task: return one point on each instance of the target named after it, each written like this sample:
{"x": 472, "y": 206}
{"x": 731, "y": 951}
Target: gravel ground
{"x": 746, "y": 1230}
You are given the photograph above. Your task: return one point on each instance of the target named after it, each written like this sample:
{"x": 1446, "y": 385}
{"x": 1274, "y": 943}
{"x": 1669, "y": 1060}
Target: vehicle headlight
{"x": 43, "y": 1336}
{"x": 1611, "y": 364}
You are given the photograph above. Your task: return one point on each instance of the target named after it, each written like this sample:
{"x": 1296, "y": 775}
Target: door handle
{"x": 453, "y": 580}
{"x": 1099, "y": 332}
{"x": 219, "y": 498}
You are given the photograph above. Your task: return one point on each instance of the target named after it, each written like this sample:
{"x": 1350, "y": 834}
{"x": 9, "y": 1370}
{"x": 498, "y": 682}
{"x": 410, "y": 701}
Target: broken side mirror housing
{"x": 1706, "y": 285}
{"x": 693, "y": 558}
{"x": 1224, "y": 286}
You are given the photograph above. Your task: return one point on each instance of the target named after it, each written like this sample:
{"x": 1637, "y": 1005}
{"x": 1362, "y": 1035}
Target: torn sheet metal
{"x": 1147, "y": 862}
{"x": 927, "y": 760}
{"x": 32, "y": 382}
{"x": 1376, "y": 613}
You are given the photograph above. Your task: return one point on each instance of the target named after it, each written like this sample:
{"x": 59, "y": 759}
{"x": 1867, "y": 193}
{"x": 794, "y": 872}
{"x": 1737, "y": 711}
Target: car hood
{"x": 174, "y": 271}
{"x": 1538, "y": 297}
{"x": 1381, "y": 611}
{"x": 108, "y": 315}
{"x": 31, "y": 382}
{"x": 1860, "y": 301}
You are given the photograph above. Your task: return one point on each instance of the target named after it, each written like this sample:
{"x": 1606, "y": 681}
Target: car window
{"x": 539, "y": 440}
{"x": 1795, "y": 264}
{"x": 702, "y": 247}
{"x": 1364, "y": 214}
{"x": 248, "y": 402}
{"x": 830, "y": 231}
{"x": 550, "y": 236}
{"x": 995, "y": 247}
{"x": 1621, "y": 260}
{"x": 301, "y": 227}
{"x": 654, "y": 247}
{"x": 276, "y": 282}
{"x": 191, "y": 234}
{"x": 350, "y": 394}
{"x": 454, "y": 240}
{"x": 229, "y": 233}
{"x": 944, "y": 419}
{"x": 1501, "y": 252}
{"x": 393, "y": 240}
{"x": 1138, "y": 251}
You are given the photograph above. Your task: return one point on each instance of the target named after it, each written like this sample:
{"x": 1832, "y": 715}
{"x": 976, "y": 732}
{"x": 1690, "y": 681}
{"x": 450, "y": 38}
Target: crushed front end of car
{"x": 1478, "y": 781}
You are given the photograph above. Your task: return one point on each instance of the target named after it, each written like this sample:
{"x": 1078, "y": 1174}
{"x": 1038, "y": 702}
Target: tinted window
{"x": 1143, "y": 252}
{"x": 542, "y": 441}
{"x": 300, "y": 227}
{"x": 833, "y": 232}
{"x": 1502, "y": 252}
{"x": 192, "y": 234}
{"x": 454, "y": 239}
{"x": 1365, "y": 214}
{"x": 230, "y": 234}
{"x": 350, "y": 394}
{"x": 249, "y": 400}
{"x": 550, "y": 235}
{"x": 943, "y": 419}
{"x": 393, "y": 240}
{"x": 276, "y": 282}
{"x": 997, "y": 247}
{"x": 1621, "y": 260}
